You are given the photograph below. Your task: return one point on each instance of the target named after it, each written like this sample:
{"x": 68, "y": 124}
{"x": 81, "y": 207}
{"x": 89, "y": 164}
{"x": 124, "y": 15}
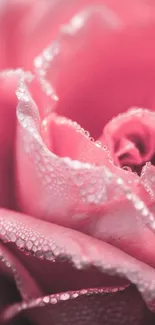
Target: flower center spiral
{"x": 131, "y": 139}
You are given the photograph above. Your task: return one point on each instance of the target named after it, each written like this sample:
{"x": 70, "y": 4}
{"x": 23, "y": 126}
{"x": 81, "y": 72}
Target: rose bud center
{"x": 131, "y": 139}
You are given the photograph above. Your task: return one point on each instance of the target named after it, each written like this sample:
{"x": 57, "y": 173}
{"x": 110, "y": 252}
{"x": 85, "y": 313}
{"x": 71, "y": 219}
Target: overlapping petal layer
{"x": 50, "y": 249}
{"x": 51, "y": 242}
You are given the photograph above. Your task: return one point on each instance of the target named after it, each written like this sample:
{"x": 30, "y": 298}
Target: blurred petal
{"x": 12, "y": 13}
{"x": 44, "y": 19}
{"x": 8, "y": 103}
{"x": 22, "y": 21}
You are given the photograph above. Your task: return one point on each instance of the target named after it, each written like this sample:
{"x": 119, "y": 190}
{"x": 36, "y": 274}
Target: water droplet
{"x": 49, "y": 255}
{"x": 129, "y": 196}
{"x": 38, "y": 62}
{"x": 29, "y": 244}
{"x": 145, "y": 212}
{"x": 139, "y": 205}
{"x": 56, "y": 251}
{"x": 20, "y": 243}
{"x": 39, "y": 254}
{"x": 12, "y": 237}
{"x": 87, "y": 134}
{"x": 98, "y": 144}
{"x": 119, "y": 181}
{"x": 46, "y": 300}
{"x": 84, "y": 291}
{"x": 64, "y": 296}
{"x": 75, "y": 295}
{"x": 53, "y": 301}
{"x": 2, "y": 231}
{"x": 55, "y": 97}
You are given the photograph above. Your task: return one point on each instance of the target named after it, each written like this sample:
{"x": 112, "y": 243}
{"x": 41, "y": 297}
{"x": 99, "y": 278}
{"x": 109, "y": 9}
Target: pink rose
{"x": 77, "y": 207}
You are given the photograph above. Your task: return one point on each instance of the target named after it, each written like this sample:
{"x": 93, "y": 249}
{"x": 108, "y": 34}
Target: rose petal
{"x": 66, "y": 138}
{"x": 114, "y": 224}
{"x": 63, "y": 188}
{"x": 84, "y": 308}
{"x": 63, "y": 205}
{"x": 127, "y": 128}
{"x": 93, "y": 86}
{"x": 81, "y": 249}
{"x": 74, "y": 42}
{"x": 121, "y": 226}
